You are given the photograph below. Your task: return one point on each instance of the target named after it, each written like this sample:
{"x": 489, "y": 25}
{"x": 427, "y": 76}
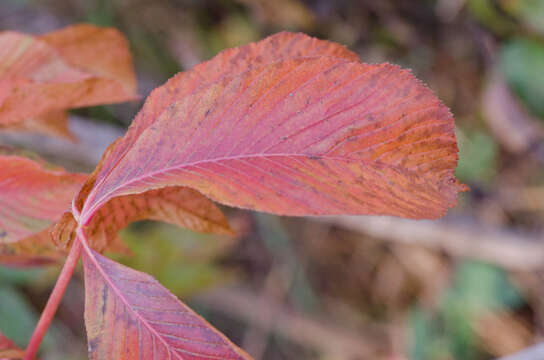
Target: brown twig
{"x": 515, "y": 251}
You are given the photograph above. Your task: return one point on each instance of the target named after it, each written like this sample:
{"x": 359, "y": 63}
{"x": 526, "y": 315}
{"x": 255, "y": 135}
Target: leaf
{"x": 522, "y": 62}
{"x": 306, "y": 136}
{"x": 180, "y": 206}
{"x": 8, "y": 350}
{"x": 275, "y": 48}
{"x": 32, "y": 196}
{"x": 77, "y": 66}
{"x": 129, "y": 315}
{"x": 289, "y": 125}
{"x": 102, "y": 52}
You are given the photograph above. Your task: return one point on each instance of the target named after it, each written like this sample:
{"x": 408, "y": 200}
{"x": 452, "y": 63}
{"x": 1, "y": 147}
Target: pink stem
{"x": 54, "y": 300}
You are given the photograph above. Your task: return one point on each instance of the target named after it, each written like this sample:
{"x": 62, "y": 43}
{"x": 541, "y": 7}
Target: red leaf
{"x": 289, "y": 125}
{"x": 186, "y": 207}
{"x": 308, "y": 136}
{"x": 8, "y": 350}
{"x": 129, "y": 315}
{"x": 275, "y": 48}
{"x": 180, "y": 206}
{"x": 32, "y": 196}
{"x": 77, "y": 66}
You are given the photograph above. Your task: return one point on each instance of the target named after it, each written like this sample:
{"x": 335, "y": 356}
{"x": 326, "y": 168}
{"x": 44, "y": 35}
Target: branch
{"x": 514, "y": 251}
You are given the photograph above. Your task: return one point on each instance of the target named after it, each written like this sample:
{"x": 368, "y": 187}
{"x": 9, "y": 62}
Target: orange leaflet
{"x": 180, "y": 206}
{"x": 229, "y": 62}
{"x": 77, "y": 66}
{"x": 289, "y": 125}
{"x": 183, "y": 206}
{"x": 33, "y": 195}
{"x": 8, "y": 350}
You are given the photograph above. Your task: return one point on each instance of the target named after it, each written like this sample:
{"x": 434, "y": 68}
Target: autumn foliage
{"x": 289, "y": 125}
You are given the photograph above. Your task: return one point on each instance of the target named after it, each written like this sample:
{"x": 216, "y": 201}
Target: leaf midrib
{"x": 107, "y": 196}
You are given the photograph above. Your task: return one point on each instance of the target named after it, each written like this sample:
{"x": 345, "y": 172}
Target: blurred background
{"x": 467, "y": 287}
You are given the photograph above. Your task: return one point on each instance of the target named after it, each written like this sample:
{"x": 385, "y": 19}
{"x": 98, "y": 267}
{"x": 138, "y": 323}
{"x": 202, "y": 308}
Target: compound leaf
{"x": 290, "y": 125}
{"x": 180, "y": 205}
{"x": 233, "y": 61}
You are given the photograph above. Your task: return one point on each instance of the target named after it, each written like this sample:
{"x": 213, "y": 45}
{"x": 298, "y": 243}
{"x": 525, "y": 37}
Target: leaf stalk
{"x": 53, "y": 301}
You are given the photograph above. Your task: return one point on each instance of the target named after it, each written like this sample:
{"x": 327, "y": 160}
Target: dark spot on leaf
{"x": 104, "y": 300}
{"x": 3, "y": 233}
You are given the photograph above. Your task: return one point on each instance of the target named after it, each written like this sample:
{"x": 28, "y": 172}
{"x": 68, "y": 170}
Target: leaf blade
{"x": 129, "y": 315}
{"x": 32, "y": 196}
{"x": 180, "y": 206}
{"x": 278, "y": 47}
{"x": 275, "y": 48}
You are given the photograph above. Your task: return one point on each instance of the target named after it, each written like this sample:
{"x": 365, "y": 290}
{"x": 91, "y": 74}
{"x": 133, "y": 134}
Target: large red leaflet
{"x": 300, "y": 132}
{"x": 204, "y": 217}
{"x": 130, "y": 316}
{"x": 33, "y": 195}
{"x": 310, "y": 136}
{"x": 275, "y": 48}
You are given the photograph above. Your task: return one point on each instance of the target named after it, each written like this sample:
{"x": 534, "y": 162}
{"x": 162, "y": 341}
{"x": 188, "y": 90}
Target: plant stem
{"x": 54, "y": 300}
